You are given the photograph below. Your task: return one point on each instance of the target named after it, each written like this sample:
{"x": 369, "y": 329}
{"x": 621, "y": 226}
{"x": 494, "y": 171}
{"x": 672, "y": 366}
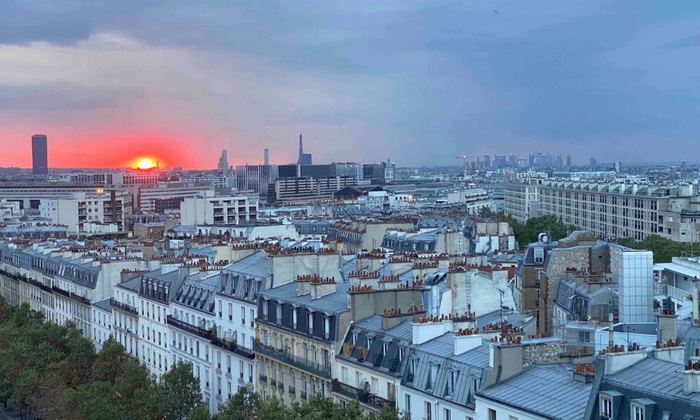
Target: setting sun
{"x": 146, "y": 164}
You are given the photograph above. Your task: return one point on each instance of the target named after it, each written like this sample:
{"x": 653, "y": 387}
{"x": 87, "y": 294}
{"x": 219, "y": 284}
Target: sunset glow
{"x": 146, "y": 163}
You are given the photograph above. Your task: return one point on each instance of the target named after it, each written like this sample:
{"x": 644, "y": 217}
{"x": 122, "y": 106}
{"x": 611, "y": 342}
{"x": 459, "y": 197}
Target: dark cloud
{"x": 414, "y": 80}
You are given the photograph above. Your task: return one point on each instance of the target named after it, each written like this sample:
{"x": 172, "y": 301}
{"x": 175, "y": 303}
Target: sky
{"x": 417, "y": 82}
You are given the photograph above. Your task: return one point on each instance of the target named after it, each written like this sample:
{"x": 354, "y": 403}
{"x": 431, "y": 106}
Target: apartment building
{"x": 82, "y": 210}
{"x": 364, "y": 234}
{"x": 157, "y": 198}
{"x": 221, "y": 210}
{"x": 621, "y": 210}
{"x": 30, "y": 194}
{"x": 304, "y": 189}
{"x": 522, "y": 200}
{"x": 301, "y": 315}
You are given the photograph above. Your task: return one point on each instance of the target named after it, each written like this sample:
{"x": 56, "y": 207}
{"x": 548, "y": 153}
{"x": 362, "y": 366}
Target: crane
{"x": 464, "y": 158}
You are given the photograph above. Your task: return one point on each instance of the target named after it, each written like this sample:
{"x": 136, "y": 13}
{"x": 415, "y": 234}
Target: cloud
{"x": 417, "y": 81}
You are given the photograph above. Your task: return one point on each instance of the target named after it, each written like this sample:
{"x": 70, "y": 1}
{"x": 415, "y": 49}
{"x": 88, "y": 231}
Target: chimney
{"x": 322, "y": 286}
{"x": 617, "y": 358}
{"x": 667, "y": 322}
{"x": 428, "y": 328}
{"x": 670, "y": 351}
{"x": 466, "y": 340}
{"x": 691, "y": 376}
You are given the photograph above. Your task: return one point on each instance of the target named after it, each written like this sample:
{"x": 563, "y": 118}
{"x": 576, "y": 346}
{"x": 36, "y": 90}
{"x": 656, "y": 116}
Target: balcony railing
{"x": 280, "y": 385}
{"x": 284, "y": 356}
{"x": 303, "y": 395}
{"x": 273, "y": 382}
{"x": 292, "y": 390}
{"x": 189, "y": 328}
{"x": 363, "y": 396}
{"x": 263, "y": 378}
{"x": 123, "y": 306}
{"x": 234, "y": 347}
{"x": 60, "y": 291}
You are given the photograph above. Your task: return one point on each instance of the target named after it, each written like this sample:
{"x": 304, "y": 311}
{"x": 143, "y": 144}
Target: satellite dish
{"x": 545, "y": 239}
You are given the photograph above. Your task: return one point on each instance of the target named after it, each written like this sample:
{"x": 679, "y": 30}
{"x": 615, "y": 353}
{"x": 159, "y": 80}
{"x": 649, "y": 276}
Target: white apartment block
{"x": 82, "y": 210}
{"x": 619, "y": 210}
{"x": 521, "y": 200}
{"x": 223, "y": 210}
{"x": 157, "y": 198}
{"x": 112, "y": 178}
{"x": 216, "y": 179}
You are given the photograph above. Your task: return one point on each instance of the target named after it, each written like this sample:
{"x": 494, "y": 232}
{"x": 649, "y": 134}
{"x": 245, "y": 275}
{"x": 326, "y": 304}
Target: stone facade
{"x": 541, "y": 353}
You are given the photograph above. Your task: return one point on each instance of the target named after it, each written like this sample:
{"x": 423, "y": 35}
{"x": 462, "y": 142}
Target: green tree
{"x": 243, "y": 405}
{"x": 182, "y": 390}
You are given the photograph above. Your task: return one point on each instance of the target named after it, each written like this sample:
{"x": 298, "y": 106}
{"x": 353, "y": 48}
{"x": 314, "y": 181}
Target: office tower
{"x": 531, "y": 161}
{"x": 568, "y": 161}
{"x": 617, "y": 167}
{"x": 40, "y": 157}
{"x": 223, "y": 163}
{"x": 487, "y": 161}
{"x": 267, "y": 157}
{"x": 560, "y": 161}
{"x": 593, "y": 163}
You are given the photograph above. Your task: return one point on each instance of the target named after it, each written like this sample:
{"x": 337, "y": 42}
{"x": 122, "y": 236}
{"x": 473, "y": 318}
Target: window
{"x": 606, "y": 407}
{"x": 428, "y": 411}
{"x": 408, "y": 406}
{"x": 492, "y": 414}
{"x": 230, "y": 311}
{"x": 637, "y": 412}
{"x": 448, "y": 414}
{"x": 252, "y": 319}
{"x": 243, "y": 314}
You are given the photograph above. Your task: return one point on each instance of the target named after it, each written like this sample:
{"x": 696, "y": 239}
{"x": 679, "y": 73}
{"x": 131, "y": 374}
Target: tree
{"x": 182, "y": 390}
{"x": 243, "y": 405}
{"x": 664, "y": 249}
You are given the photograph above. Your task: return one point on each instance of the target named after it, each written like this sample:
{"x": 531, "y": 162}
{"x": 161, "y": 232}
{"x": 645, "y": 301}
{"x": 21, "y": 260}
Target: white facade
{"x": 521, "y": 200}
{"x": 218, "y": 210}
{"x": 81, "y": 212}
{"x": 101, "y": 326}
{"x": 149, "y": 195}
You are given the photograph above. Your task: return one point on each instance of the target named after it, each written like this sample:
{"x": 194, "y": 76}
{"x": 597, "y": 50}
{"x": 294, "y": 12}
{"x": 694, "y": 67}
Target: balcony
{"x": 284, "y": 356}
{"x": 263, "y": 378}
{"x": 273, "y": 382}
{"x": 292, "y": 390}
{"x": 123, "y": 307}
{"x": 234, "y": 347}
{"x": 363, "y": 396}
{"x": 303, "y": 395}
{"x": 280, "y": 386}
{"x": 189, "y": 328}
{"x": 60, "y": 291}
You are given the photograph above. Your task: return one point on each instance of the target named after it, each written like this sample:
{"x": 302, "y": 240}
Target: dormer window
{"x": 412, "y": 366}
{"x": 385, "y": 348}
{"x": 539, "y": 255}
{"x": 279, "y": 313}
{"x": 606, "y": 407}
{"x": 354, "y": 338}
{"x": 402, "y": 353}
{"x": 369, "y": 343}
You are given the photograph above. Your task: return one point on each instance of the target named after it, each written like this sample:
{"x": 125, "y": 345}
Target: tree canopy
{"x": 527, "y": 233}
{"x": 664, "y": 249}
{"x": 53, "y": 372}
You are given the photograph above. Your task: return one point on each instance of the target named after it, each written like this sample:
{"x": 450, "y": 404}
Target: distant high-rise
{"x": 560, "y": 161}
{"x": 267, "y": 157}
{"x": 593, "y": 163}
{"x": 568, "y": 161}
{"x": 487, "y": 161}
{"x": 223, "y": 163}
{"x": 301, "y": 150}
{"x": 304, "y": 158}
{"x": 40, "y": 155}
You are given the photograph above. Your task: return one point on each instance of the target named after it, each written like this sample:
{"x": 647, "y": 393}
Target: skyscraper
{"x": 40, "y": 155}
{"x": 560, "y": 161}
{"x": 593, "y": 163}
{"x": 223, "y": 163}
{"x": 267, "y": 157}
{"x": 568, "y": 161}
{"x": 301, "y": 150}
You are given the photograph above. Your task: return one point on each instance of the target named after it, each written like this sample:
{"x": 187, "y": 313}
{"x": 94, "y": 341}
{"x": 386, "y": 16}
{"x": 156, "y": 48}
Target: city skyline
{"x": 179, "y": 84}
